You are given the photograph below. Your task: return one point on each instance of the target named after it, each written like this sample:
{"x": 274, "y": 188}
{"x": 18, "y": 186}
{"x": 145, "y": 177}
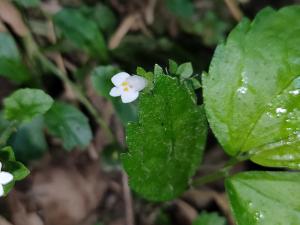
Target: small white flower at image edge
{"x": 5, "y": 178}
{"x": 127, "y": 86}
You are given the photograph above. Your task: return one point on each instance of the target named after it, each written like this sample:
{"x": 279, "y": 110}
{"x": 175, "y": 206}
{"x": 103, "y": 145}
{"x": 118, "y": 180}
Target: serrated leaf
{"x": 264, "y": 198}
{"x": 25, "y": 104}
{"x": 252, "y": 92}
{"x": 166, "y": 145}
{"x": 83, "y": 32}
{"x": 11, "y": 65}
{"x": 69, "y": 124}
{"x": 185, "y": 70}
{"x": 209, "y": 219}
{"x": 29, "y": 141}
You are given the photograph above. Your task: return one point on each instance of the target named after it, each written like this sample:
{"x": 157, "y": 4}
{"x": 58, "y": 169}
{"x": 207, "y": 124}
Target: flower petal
{"x": 119, "y": 78}
{"x": 138, "y": 83}
{"x": 129, "y": 96}
{"x": 115, "y": 92}
{"x": 0, "y": 166}
{"x": 5, "y": 177}
{"x": 1, "y": 191}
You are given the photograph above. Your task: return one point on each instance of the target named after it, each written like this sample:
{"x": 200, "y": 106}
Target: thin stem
{"x": 221, "y": 173}
{"x": 12, "y": 128}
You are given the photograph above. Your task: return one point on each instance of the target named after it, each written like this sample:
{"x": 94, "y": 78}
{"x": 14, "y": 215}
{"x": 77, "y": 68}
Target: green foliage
{"x": 166, "y": 145}
{"x": 252, "y": 92}
{"x": 264, "y": 198}
{"x": 28, "y": 3}
{"x": 11, "y": 65}
{"x": 25, "y": 104}
{"x": 181, "y": 8}
{"x": 101, "y": 81}
{"x": 82, "y": 32}
{"x": 9, "y": 164}
{"x": 209, "y": 219}
{"x": 185, "y": 70}
{"x": 69, "y": 124}
{"x": 103, "y": 16}
{"x": 29, "y": 142}
{"x": 211, "y": 28}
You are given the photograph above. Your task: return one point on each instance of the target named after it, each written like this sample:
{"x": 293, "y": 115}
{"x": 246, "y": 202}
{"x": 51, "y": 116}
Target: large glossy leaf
{"x": 10, "y": 60}
{"x": 25, "y": 104}
{"x": 101, "y": 81}
{"x": 166, "y": 145}
{"x": 69, "y": 124}
{"x": 82, "y": 32}
{"x": 252, "y": 92}
{"x": 265, "y": 198}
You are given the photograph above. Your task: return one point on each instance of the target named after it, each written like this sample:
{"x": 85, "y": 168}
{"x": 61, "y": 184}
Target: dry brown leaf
{"x": 10, "y": 15}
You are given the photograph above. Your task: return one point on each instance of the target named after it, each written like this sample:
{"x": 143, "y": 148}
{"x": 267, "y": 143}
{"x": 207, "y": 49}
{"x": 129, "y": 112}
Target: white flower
{"x": 126, "y": 86}
{"x": 5, "y": 178}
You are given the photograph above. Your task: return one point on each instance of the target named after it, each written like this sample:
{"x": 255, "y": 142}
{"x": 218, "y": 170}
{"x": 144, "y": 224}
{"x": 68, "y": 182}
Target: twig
{"x": 127, "y": 200}
{"x": 234, "y": 9}
{"x": 122, "y": 30}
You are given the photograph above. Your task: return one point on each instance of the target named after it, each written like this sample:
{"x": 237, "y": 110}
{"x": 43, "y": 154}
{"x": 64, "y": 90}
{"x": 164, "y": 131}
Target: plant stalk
{"x": 12, "y": 128}
{"x": 221, "y": 173}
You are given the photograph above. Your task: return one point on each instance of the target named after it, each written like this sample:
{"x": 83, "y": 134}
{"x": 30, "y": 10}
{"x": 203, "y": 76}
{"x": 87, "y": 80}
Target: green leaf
{"x": 28, "y": 3}
{"x": 185, "y": 70}
{"x": 9, "y": 164}
{"x": 252, "y": 92}
{"x": 149, "y": 76}
{"x": 209, "y": 219}
{"x": 166, "y": 145}
{"x": 101, "y": 81}
{"x": 173, "y": 67}
{"x": 7, "y": 154}
{"x": 25, "y": 104}
{"x": 69, "y": 124}
{"x": 181, "y": 8}
{"x": 102, "y": 15}
{"x": 11, "y": 65}
{"x": 264, "y": 198}
{"x": 29, "y": 142}
{"x": 17, "y": 169}
{"x": 83, "y": 32}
